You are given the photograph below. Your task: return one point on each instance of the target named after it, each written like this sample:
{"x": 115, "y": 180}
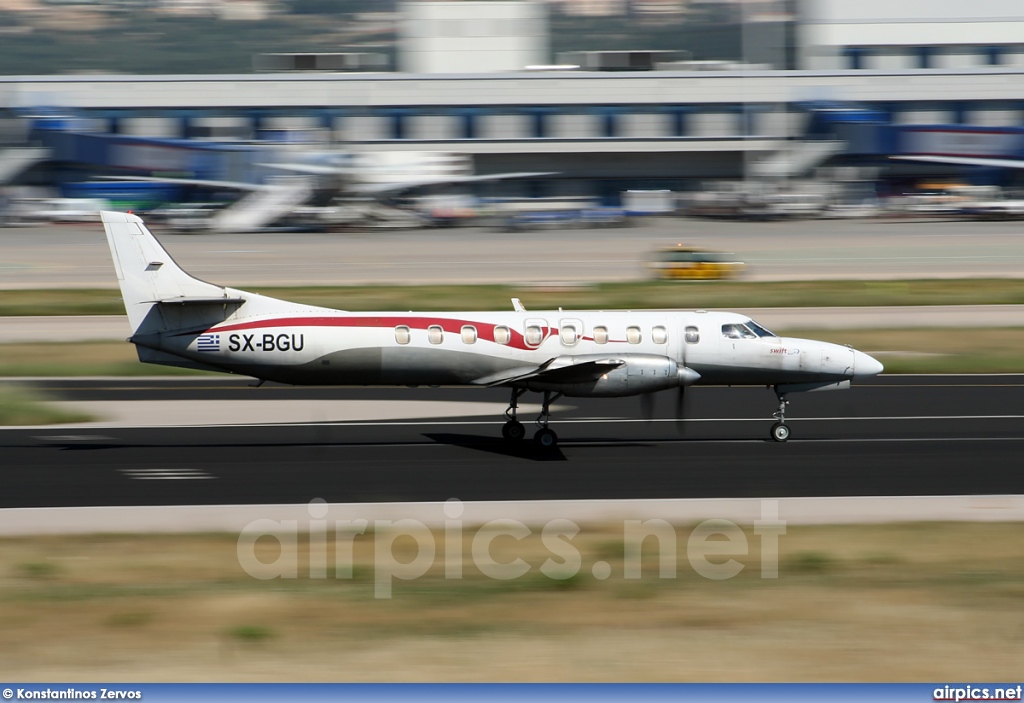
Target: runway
{"x": 894, "y": 436}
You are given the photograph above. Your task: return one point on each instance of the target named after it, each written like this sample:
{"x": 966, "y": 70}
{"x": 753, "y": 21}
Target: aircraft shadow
{"x": 494, "y": 445}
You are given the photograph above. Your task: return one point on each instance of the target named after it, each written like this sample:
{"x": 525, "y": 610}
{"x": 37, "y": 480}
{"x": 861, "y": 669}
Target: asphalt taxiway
{"x": 893, "y": 436}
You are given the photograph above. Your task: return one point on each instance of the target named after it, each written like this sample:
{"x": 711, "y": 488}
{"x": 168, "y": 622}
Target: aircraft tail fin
{"x": 158, "y": 295}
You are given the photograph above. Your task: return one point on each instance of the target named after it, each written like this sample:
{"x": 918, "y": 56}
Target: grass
{"x": 79, "y": 359}
{"x": 599, "y": 296}
{"x": 65, "y": 301}
{"x": 812, "y": 562}
{"x": 250, "y": 633}
{"x": 40, "y": 570}
{"x": 20, "y": 406}
{"x": 133, "y": 619}
{"x": 857, "y": 603}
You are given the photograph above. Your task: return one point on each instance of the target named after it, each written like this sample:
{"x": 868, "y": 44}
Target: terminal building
{"x": 886, "y": 35}
{"x": 599, "y": 132}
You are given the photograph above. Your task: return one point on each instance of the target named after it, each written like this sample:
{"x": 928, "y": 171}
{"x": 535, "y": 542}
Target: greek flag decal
{"x": 208, "y": 343}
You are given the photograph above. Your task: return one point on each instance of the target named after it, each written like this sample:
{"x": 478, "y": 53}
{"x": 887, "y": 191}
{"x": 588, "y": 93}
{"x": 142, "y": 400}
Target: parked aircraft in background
{"x": 338, "y": 188}
{"x": 177, "y": 320}
{"x": 982, "y": 161}
{"x": 962, "y": 145}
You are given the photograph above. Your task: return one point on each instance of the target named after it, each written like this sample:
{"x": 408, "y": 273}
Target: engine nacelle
{"x": 639, "y": 374}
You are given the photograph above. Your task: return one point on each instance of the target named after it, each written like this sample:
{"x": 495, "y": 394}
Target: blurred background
{"x": 239, "y": 115}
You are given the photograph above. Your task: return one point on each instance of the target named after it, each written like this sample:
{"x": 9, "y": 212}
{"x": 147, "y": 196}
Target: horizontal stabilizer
{"x": 199, "y": 301}
{"x": 148, "y": 355}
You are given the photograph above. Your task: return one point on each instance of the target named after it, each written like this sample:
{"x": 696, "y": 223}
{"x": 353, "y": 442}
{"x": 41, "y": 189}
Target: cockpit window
{"x": 750, "y": 330}
{"x": 760, "y": 331}
{"x": 734, "y": 331}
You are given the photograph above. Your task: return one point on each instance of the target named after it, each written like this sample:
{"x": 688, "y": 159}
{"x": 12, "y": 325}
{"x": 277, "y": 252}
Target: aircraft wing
{"x": 198, "y": 301}
{"x": 965, "y": 161}
{"x": 229, "y": 185}
{"x": 397, "y": 186}
{"x": 314, "y": 169}
{"x": 381, "y": 188}
{"x": 560, "y": 369}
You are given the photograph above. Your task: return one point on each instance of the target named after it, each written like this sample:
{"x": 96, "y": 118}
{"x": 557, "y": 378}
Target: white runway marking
{"x": 887, "y": 418}
{"x": 144, "y": 474}
{"x": 72, "y": 438}
{"x": 581, "y": 443}
{"x": 641, "y": 421}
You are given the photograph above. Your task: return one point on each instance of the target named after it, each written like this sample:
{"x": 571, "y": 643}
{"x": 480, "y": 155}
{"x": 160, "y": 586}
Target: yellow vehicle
{"x": 690, "y": 264}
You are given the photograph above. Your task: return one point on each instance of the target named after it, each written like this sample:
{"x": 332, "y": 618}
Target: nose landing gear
{"x": 780, "y": 431}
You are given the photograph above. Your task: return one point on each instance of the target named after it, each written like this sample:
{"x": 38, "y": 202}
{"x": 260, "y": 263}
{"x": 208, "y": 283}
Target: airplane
{"x": 982, "y": 161}
{"x": 338, "y": 188}
{"x": 961, "y": 145}
{"x": 178, "y": 320}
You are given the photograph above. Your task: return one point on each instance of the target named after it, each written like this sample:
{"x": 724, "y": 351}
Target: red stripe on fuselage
{"x": 484, "y": 330}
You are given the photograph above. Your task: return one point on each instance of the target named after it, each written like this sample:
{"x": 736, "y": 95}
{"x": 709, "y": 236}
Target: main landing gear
{"x": 514, "y": 431}
{"x": 780, "y": 432}
{"x": 546, "y": 438}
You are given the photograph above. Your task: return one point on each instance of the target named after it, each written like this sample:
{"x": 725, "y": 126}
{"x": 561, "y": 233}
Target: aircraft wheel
{"x": 545, "y": 439}
{"x": 780, "y": 432}
{"x": 513, "y": 430}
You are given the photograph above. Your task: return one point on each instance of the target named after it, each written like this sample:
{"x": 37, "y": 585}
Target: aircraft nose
{"x": 865, "y": 365}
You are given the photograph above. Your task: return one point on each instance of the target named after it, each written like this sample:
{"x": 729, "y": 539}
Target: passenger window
{"x": 435, "y": 334}
{"x": 692, "y": 335}
{"x": 659, "y": 335}
{"x": 534, "y": 335}
{"x": 633, "y": 335}
{"x": 569, "y": 335}
{"x": 468, "y": 334}
{"x": 502, "y": 335}
{"x": 402, "y": 334}
{"x": 601, "y": 335}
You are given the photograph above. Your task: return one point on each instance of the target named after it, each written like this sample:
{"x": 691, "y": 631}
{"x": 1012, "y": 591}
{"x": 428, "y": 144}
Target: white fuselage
{"x": 327, "y": 347}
